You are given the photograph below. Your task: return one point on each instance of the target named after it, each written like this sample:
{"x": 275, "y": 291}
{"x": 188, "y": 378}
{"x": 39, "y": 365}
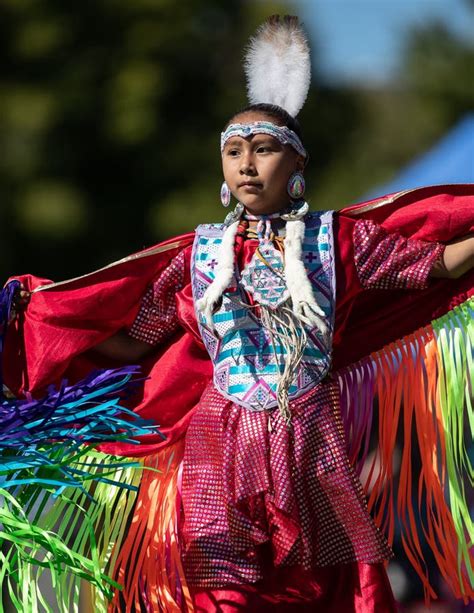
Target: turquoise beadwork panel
{"x": 246, "y": 365}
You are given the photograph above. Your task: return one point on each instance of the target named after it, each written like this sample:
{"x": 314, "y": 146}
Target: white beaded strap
{"x": 304, "y": 304}
{"x": 223, "y": 275}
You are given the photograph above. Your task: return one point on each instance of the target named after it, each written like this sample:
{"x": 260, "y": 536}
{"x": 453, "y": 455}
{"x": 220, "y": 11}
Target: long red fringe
{"x": 149, "y": 564}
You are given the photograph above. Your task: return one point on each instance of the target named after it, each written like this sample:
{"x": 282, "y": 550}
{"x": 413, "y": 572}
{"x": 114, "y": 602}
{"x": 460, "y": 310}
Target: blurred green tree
{"x": 110, "y": 118}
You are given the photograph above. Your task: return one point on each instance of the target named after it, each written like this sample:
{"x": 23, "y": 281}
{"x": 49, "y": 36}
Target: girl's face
{"x": 257, "y": 168}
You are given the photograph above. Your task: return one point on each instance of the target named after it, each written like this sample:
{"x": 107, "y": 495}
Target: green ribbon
{"x": 455, "y": 339}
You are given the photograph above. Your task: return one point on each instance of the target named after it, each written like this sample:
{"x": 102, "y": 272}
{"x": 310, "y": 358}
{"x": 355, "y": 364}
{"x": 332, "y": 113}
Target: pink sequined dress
{"x": 274, "y": 514}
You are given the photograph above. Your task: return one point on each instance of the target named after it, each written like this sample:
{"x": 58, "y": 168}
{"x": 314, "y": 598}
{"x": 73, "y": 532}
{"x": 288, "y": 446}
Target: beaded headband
{"x": 282, "y": 133}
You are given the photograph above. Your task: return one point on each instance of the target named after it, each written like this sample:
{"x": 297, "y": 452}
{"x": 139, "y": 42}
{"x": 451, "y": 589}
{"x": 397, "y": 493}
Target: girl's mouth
{"x": 250, "y": 185}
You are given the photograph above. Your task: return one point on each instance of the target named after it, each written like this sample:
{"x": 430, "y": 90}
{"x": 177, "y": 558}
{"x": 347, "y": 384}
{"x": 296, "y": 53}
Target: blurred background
{"x": 111, "y": 110}
{"x": 110, "y": 113}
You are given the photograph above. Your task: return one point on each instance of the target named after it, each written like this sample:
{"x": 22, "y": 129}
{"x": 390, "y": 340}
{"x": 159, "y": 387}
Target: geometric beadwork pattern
{"x": 264, "y": 277}
{"x": 247, "y": 365}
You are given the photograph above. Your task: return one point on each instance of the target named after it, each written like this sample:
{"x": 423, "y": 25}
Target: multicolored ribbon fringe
{"x": 149, "y": 564}
{"x": 62, "y": 503}
{"x": 416, "y": 395}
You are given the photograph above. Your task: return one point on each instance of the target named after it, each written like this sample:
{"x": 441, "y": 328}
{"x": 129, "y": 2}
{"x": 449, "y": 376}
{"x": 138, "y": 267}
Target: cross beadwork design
{"x": 264, "y": 277}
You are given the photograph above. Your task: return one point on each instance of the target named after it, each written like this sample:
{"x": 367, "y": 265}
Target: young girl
{"x": 243, "y": 329}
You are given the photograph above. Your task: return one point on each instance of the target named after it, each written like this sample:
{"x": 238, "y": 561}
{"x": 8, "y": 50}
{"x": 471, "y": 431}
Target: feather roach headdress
{"x": 277, "y": 64}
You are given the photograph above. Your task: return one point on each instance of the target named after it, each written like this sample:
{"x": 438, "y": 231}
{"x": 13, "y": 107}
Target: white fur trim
{"x": 223, "y": 275}
{"x": 304, "y": 304}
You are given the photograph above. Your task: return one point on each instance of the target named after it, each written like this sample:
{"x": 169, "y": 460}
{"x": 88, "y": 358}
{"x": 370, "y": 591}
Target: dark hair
{"x": 275, "y": 112}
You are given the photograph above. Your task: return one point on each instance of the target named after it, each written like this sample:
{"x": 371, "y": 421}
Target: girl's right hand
{"x": 20, "y": 302}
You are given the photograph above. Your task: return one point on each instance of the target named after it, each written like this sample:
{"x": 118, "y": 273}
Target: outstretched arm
{"x": 123, "y": 347}
{"x": 457, "y": 259}
{"x": 156, "y": 320}
{"x": 386, "y": 260}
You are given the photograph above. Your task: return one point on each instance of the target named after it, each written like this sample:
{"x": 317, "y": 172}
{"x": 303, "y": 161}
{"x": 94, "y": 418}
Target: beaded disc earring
{"x": 225, "y": 194}
{"x": 296, "y": 185}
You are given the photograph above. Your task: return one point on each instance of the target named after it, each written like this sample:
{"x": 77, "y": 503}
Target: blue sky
{"x": 362, "y": 39}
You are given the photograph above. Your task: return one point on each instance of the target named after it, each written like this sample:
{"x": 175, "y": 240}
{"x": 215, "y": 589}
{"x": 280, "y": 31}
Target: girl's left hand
{"x": 457, "y": 259}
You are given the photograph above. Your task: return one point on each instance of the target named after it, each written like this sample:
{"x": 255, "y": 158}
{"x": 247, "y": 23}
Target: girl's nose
{"x": 247, "y": 165}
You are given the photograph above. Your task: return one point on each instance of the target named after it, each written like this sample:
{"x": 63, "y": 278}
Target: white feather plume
{"x": 277, "y": 65}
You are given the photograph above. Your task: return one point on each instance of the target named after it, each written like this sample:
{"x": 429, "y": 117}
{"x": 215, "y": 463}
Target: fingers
{"x": 20, "y": 302}
{"x": 22, "y": 297}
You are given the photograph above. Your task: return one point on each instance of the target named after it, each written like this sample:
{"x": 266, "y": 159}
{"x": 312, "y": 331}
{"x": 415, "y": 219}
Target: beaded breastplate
{"x": 246, "y": 364}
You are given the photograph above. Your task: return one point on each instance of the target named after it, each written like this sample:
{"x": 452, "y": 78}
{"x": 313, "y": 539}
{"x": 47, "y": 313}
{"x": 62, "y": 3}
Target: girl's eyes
{"x": 259, "y": 149}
